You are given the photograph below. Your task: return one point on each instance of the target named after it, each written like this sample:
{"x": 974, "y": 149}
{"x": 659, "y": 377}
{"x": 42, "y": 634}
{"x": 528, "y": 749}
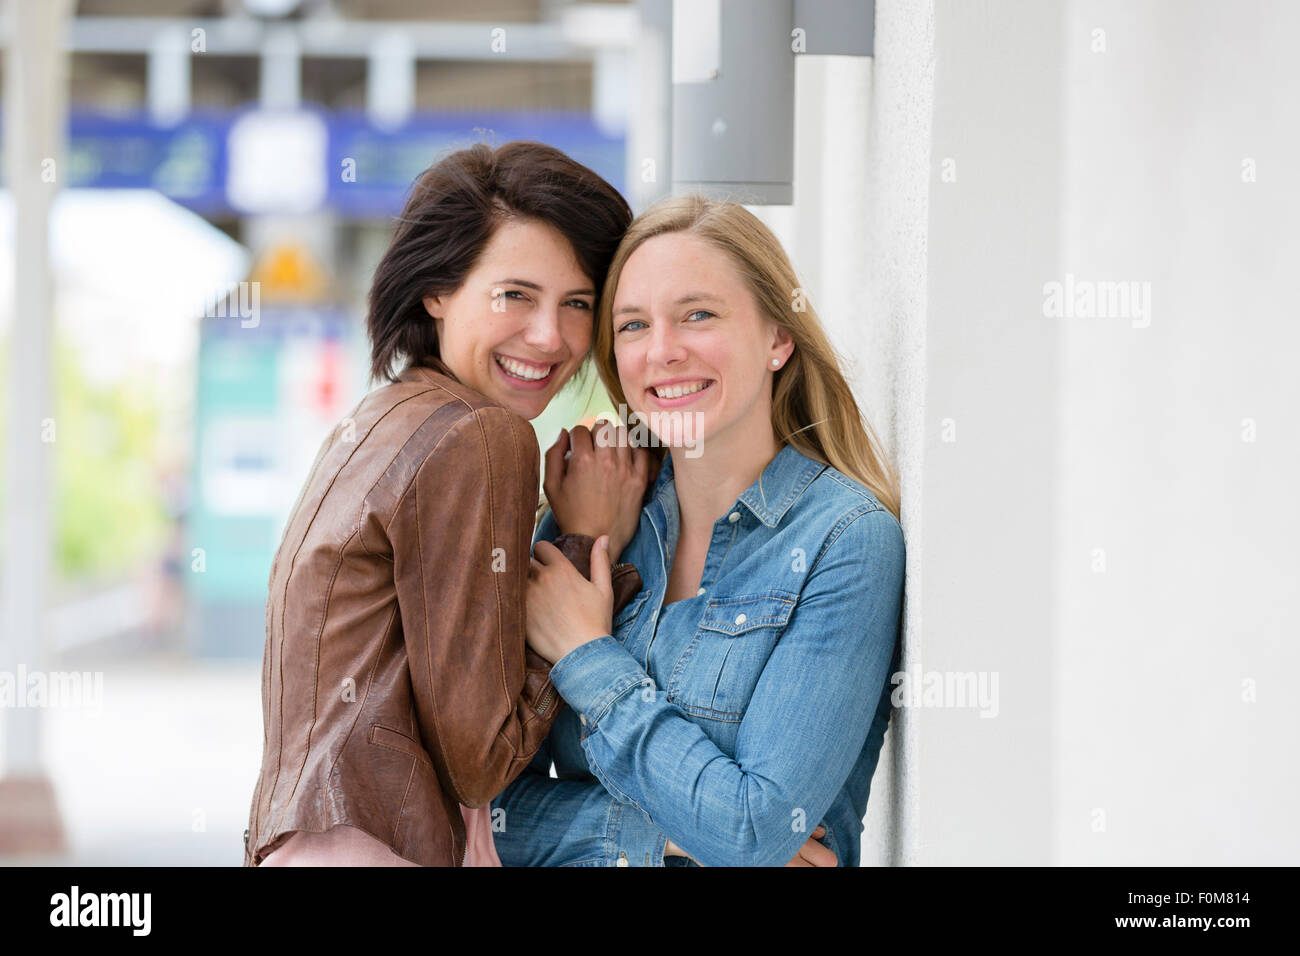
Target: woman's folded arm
{"x": 804, "y": 727}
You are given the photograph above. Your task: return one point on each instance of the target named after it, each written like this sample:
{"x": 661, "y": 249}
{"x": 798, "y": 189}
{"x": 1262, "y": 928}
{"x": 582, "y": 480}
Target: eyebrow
{"x": 533, "y": 285}
{"x": 688, "y": 297}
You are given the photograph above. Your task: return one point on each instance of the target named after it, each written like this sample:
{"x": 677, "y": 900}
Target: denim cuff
{"x": 637, "y": 841}
{"x": 591, "y": 677}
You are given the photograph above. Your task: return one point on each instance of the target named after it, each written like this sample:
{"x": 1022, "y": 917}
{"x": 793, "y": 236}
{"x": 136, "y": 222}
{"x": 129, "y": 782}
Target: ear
{"x": 433, "y": 305}
{"x": 782, "y": 345}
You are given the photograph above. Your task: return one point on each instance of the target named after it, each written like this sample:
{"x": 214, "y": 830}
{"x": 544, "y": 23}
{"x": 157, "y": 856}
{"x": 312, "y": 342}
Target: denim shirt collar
{"x": 771, "y": 495}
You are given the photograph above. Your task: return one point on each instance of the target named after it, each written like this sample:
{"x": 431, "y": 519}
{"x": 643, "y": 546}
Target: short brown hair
{"x": 452, "y": 211}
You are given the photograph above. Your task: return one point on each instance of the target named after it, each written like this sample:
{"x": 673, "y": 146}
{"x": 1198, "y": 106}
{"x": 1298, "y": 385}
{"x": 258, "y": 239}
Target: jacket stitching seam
{"x": 615, "y": 694}
{"x": 451, "y": 427}
{"x": 604, "y": 779}
{"x": 501, "y": 656}
{"x": 838, "y": 530}
{"x": 413, "y": 753}
{"x": 451, "y": 774}
{"x": 370, "y": 682}
{"x": 837, "y": 476}
{"x": 320, "y": 630}
{"x": 410, "y": 781}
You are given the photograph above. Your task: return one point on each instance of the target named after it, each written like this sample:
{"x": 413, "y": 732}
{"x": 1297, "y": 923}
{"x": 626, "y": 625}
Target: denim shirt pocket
{"x": 716, "y": 674}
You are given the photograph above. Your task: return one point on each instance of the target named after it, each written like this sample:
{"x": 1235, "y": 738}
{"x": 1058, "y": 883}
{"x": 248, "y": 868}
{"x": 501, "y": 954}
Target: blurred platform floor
{"x": 162, "y": 772}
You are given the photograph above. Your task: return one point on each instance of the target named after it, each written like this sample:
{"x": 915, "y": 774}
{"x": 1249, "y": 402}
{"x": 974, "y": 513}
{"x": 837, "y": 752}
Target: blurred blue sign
{"x": 368, "y": 171}
{"x": 185, "y": 162}
{"x": 372, "y": 169}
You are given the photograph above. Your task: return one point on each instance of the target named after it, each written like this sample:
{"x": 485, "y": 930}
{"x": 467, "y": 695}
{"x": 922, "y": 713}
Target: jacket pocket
{"x": 392, "y": 739}
{"x": 716, "y": 674}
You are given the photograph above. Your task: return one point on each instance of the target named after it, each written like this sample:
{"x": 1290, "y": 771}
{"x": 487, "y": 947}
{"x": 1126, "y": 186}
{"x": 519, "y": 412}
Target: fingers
{"x": 600, "y": 573}
{"x": 625, "y": 448}
{"x": 545, "y": 553}
{"x": 607, "y": 442}
{"x": 555, "y": 457}
{"x": 580, "y": 442}
{"x": 818, "y": 855}
{"x": 641, "y": 465}
{"x": 614, "y": 437}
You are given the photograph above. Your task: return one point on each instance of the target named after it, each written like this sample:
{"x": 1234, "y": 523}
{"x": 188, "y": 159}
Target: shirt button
{"x": 734, "y": 517}
{"x": 699, "y": 592}
{"x": 740, "y": 619}
{"x": 622, "y": 859}
{"x": 582, "y": 719}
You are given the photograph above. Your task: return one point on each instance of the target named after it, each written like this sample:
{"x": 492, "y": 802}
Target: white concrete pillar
{"x": 390, "y": 80}
{"x": 169, "y": 76}
{"x": 281, "y": 75}
{"x": 649, "y": 135}
{"x": 35, "y": 117}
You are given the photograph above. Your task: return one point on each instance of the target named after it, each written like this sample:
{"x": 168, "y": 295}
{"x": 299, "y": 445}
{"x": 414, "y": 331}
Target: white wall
{"x": 1199, "y": 527}
{"x": 856, "y": 235}
{"x": 985, "y": 151}
{"x": 984, "y": 782}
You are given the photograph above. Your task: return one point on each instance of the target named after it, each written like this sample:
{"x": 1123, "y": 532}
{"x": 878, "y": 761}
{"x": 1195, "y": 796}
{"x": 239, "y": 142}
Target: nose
{"x": 665, "y": 345}
{"x": 543, "y": 330}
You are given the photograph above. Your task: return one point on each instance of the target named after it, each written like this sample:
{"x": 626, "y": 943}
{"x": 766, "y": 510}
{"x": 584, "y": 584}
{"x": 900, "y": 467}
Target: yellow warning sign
{"x": 289, "y": 273}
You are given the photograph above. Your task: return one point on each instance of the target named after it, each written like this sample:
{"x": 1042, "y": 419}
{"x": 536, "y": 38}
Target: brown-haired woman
{"x": 398, "y": 695}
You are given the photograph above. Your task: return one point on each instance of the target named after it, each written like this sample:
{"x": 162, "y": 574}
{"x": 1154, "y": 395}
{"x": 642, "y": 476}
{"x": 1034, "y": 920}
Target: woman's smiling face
{"x": 694, "y": 351}
{"x": 521, "y": 322}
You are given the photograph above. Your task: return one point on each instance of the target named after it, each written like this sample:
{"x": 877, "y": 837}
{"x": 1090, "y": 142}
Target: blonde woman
{"x": 733, "y": 712}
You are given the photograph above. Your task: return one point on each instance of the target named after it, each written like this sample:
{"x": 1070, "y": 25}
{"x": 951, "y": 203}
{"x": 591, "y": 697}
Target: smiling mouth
{"x": 681, "y": 389}
{"x": 524, "y": 371}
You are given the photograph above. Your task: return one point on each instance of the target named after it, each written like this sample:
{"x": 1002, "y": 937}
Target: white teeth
{"x": 677, "y": 391}
{"x": 519, "y": 370}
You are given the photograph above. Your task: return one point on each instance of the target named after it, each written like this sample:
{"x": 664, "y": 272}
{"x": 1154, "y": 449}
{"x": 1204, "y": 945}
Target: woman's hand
{"x": 812, "y": 853}
{"x": 565, "y": 610}
{"x": 598, "y": 488}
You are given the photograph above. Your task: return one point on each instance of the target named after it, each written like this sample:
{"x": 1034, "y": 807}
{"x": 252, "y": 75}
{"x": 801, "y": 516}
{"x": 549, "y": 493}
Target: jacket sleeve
{"x": 460, "y": 543}
{"x": 625, "y": 580}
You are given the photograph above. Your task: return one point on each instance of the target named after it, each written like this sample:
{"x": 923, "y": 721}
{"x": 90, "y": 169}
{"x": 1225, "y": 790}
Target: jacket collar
{"x": 419, "y": 370}
{"x": 776, "y": 489}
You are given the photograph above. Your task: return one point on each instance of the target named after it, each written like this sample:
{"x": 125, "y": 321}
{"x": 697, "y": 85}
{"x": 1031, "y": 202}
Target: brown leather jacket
{"x": 396, "y": 682}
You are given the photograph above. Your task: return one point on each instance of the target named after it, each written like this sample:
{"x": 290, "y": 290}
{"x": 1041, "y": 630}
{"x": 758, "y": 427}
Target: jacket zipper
{"x": 545, "y": 702}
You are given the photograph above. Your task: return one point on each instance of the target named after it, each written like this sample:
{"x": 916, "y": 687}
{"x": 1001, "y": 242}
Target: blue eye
{"x": 630, "y": 324}
{"x": 702, "y": 312}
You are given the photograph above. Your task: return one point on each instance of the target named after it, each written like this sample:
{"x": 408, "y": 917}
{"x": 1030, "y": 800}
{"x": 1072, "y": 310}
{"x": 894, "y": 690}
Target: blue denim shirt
{"x": 736, "y": 721}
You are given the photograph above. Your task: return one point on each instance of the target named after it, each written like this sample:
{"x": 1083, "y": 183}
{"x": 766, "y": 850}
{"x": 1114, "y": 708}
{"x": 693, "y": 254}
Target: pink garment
{"x": 480, "y": 850}
{"x": 347, "y": 846}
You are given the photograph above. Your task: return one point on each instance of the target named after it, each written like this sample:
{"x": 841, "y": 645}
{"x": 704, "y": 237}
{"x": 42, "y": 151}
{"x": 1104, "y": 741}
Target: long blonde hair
{"x": 813, "y": 407}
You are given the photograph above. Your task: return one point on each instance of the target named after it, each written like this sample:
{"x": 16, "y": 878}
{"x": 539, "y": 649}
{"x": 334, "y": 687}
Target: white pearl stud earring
{"x": 775, "y": 362}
